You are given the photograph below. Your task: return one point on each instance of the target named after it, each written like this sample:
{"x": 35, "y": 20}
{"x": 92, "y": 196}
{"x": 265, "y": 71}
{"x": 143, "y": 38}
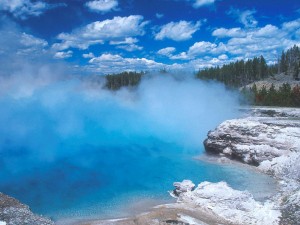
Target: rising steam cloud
{"x": 37, "y": 111}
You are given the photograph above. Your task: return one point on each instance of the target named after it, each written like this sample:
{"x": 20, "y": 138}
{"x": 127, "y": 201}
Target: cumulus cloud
{"x": 128, "y": 44}
{"x": 15, "y": 44}
{"x": 245, "y": 17}
{"x": 63, "y": 55}
{"x": 102, "y": 6}
{"x": 23, "y": 9}
{"x": 126, "y": 41}
{"x": 166, "y": 51}
{"x": 224, "y": 33}
{"x": 115, "y": 30}
{"x": 181, "y": 55}
{"x": 114, "y": 63}
{"x": 201, "y": 47}
{"x": 200, "y": 3}
{"x": 243, "y": 43}
{"x": 29, "y": 41}
{"x": 291, "y": 25}
{"x": 223, "y": 57}
{"x": 88, "y": 55}
{"x": 178, "y": 31}
{"x": 109, "y": 63}
{"x": 267, "y": 31}
{"x": 130, "y": 48}
{"x": 268, "y": 41}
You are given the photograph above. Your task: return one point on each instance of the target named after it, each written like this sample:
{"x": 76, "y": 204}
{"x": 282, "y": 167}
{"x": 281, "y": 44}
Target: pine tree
{"x": 296, "y": 96}
{"x": 271, "y": 98}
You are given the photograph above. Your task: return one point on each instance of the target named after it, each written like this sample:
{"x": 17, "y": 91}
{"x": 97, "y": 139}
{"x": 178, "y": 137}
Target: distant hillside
{"x": 240, "y": 73}
{"x": 278, "y": 90}
{"x": 277, "y": 80}
{"x": 262, "y": 84}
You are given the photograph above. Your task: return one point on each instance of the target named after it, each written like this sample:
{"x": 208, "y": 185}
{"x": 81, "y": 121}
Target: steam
{"x": 40, "y": 114}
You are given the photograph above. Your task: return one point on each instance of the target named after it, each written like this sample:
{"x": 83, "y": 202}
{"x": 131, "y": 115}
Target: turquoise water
{"x": 68, "y": 150}
{"x": 95, "y": 182}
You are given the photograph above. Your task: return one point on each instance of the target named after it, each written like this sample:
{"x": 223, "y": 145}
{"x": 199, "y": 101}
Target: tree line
{"x": 240, "y": 73}
{"x": 289, "y": 62}
{"x": 283, "y": 96}
{"x": 124, "y": 79}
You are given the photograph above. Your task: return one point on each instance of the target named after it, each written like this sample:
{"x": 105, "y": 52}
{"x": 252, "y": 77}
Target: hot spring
{"x": 69, "y": 149}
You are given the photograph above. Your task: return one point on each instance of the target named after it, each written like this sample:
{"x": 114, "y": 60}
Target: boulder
{"x": 12, "y": 212}
{"x": 181, "y": 187}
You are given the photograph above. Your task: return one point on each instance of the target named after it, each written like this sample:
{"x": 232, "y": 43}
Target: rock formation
{"x": 12, "y": 212}
{"x": 268, "y": 138}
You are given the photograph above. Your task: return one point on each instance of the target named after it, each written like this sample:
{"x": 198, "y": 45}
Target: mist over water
{"x": 66, "y": 144}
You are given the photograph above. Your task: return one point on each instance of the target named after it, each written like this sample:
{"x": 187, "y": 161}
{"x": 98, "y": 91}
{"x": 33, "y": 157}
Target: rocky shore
{"x": 12, "y": 212}
{"x": 268, "y": 138}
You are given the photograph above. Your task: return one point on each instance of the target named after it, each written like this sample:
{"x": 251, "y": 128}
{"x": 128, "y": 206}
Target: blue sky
{"x": 110, "y": 36}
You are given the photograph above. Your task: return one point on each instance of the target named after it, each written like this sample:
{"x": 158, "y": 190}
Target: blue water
{"x": 89, "y": 184}
{"x": 71, "y": 151}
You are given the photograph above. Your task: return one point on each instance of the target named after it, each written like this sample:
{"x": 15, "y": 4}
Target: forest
{"x": 124, "y": 79}
{"x": 284, "y": 96}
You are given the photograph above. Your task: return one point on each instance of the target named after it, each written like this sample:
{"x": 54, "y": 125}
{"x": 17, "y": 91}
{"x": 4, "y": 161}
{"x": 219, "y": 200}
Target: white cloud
{"x": 291, "y": 25}
{"x": 115, "y": 30}
{"x": 201, "y": 47}
{"x": 102, "y": 6}
{"x": 267, "y": 41}
{"x": 88, "y": 55}
{"x": 248, "y": 42}
{"x": 267, "y": 31}
{"x": 178, "y": 31}
{"x": 181, "y": 56}
{"x": 25, "y": 8}
{"x": 30, "y": 44}
{"x": 223, "y": 57}
{"x": 109, "y": 63}
{"x": 127, "y": 44}
{"x": 126, "y": 41}
{"x": 245, "y": 17}
{"x": 200, "y": 3}
{"x": 233, "y": 32}
{"x": 63, "y": 55}
{"x": 30, "y": 41}
{"x": 130, "y": 48}
{"x": 166, "y": 51}
{"x": 16, "y": 45}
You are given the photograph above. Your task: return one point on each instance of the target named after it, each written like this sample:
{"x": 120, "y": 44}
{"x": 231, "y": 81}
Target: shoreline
{"x": 170, "y": 211}
{"x": 190, "y": 207}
